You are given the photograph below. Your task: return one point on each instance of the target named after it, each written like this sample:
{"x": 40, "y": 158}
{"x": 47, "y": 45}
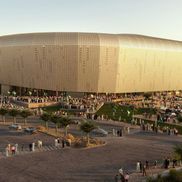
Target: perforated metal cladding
{"x": 90, "y": 62}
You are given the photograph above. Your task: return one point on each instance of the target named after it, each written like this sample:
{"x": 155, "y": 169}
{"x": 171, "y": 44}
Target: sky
{"x": 158, "y": 18}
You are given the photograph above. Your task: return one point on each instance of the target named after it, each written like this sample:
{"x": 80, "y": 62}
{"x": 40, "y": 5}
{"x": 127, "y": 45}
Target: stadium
{"x": 89, "y": 62}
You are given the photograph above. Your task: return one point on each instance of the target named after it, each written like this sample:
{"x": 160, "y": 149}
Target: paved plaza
{"x": 70, "y": 164}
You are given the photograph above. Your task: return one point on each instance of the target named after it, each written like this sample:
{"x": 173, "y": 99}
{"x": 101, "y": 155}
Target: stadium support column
{"x": 5, "y": 89}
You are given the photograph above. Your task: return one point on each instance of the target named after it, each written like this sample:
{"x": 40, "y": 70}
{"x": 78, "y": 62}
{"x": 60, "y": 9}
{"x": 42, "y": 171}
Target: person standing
{"x": 22, "y": 147}
{"x": 40, "y": 143}
{"x": 174, "y": 163}
{"x": 63, "y": 143}
{"x": 13, "y": 149}
{"x": 120, "y": 132}
{"x": 126, "y": 177}
{"x": 138, "y": 166}
{"x": 113, "y": 132}
{"x": 144, "y": 170}
{"x": 122, "y": 178}
{"x": 33, "y": 147}
{"x": 9, "y": 147}
{"x": 30, "y": 146}
{"x": 116, "y": 178}
{"x": 16, "y": 148}
{"x": 147, "y": 164}
{"x": 7, "y": 151}
{"x": 155, "y": 164}
{"x": 56, "y": 142}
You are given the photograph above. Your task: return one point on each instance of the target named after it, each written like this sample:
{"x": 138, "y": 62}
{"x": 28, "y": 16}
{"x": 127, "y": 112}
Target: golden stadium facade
{"x": 90, "y": 62}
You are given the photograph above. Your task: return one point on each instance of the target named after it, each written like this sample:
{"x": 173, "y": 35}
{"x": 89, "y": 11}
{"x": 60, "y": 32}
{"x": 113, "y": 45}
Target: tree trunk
{"x": 25, "y": 121}
{"x": 66, "y": 131}
{"x": 47, "y": 127}
{"x": 56, "y": 128}
{"x": 4, "y": 120}
{"x": 14, "y": 118}
{"x": 88, "y": 139}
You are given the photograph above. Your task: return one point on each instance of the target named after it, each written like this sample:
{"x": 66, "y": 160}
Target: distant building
{"x": 90, "y": 62}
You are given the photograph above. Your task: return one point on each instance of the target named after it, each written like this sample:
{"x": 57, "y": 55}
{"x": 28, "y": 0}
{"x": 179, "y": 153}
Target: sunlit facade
{"x": 90, "y": 62}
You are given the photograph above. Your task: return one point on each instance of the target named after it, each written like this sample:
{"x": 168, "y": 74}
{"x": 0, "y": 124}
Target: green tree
{"x": 65, "y": 121}
{"x": 3, "y": 112}
{"x": 179, "y": 118}
{"x": 56, "y": 120}
{"x": 46, "y": 117}
{"x": 178, "y": 152}
{"x": 13, "y": 113}
{"x": 25, "y": 114}
{"x": 87, "y": 127}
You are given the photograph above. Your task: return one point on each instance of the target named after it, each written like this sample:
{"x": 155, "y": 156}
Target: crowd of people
{"x": 13, "y": 149}
{"x": 143, "y": 168}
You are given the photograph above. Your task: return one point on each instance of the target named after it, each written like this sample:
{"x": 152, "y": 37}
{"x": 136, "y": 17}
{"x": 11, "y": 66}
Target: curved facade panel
{"x": 90, "y": 62}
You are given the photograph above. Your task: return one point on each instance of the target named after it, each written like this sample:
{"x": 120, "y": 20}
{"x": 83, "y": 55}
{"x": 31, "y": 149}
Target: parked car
{"x": 31, "y": 130}
{"x": 15, "y": 127}
{"x": 99, "y": 132}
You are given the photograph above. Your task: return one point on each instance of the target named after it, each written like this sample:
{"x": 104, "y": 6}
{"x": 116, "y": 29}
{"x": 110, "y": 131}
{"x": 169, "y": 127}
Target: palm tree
{"x": 56, "y": 120}
{"x": 87, "y": 127}
{"x": 3, "y": 112}
{"x": 65, "y": 121}
{"x": 13, "y": 113}
{"x": 46, "y": 118}
{"x": 25, "y": 114}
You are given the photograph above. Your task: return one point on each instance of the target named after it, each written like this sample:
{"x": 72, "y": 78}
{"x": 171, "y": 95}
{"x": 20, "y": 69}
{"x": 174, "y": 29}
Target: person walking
{"x": 13, "y": 149}
{"x": 126, "y": 177}
{"x": 121, "y": 174}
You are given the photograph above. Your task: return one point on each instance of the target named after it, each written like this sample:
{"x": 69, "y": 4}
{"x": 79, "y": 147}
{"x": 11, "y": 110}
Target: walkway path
{"x": 27, "y": 151}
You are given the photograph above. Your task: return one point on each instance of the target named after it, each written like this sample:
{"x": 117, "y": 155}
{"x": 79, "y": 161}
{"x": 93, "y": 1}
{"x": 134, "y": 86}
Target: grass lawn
{"x": 116, "y": 112}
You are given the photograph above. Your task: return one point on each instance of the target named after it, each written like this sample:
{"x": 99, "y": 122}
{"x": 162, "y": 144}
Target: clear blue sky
{"x": 161, "y": 18}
